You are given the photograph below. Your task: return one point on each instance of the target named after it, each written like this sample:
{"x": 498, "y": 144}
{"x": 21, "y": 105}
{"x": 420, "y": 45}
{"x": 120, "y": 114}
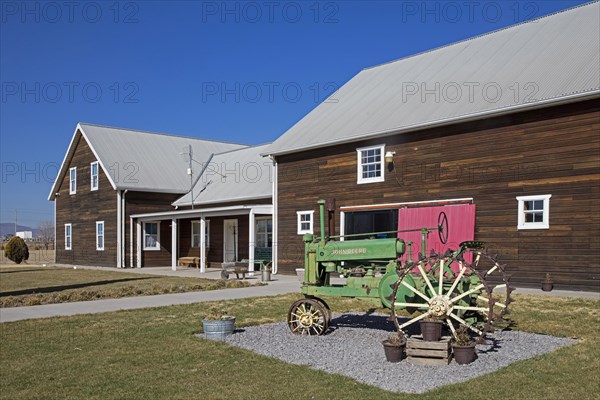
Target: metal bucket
{"x": 265, "y": 275}
{"x": 218, "y": 329}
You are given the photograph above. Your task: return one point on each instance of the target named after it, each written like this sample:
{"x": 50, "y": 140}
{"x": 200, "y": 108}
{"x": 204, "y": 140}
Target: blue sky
{"x": 235, "y": 71}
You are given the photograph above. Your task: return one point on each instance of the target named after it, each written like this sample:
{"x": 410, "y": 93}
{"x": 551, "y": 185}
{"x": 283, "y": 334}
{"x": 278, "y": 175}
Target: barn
{"x": 501, "y": 131}
{"x": 130, "y": 198}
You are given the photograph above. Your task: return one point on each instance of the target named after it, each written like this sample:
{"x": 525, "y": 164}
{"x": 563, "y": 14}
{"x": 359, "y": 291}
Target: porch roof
{"x": 265, "y": 209}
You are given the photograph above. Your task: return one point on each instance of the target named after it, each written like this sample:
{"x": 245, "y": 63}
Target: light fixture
{"x": 389, "y": 156}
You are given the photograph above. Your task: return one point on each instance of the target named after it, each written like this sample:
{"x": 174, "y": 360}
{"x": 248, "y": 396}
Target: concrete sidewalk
{"x": 279, "y": 285}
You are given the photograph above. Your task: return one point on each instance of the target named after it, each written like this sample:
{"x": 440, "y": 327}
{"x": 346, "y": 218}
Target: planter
{"x": 431, "y": 330}
{"x": 464, "y": 354}
{"x": 265, "y": 275}
{"x": 393, "y": 353}
{"x": 547, "y": 286}
{"x": 218, "y": 329}
{"x": 300, "y": 274}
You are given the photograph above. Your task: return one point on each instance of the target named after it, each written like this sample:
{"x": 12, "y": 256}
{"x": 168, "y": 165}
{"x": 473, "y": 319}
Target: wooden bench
{"x": 189, "y": 262}
{"x": 236, "y": 268}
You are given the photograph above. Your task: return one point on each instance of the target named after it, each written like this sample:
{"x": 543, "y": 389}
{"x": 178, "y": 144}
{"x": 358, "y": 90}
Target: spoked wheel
{"x": 454, "y": 290}
{"x": 308, "y": 317}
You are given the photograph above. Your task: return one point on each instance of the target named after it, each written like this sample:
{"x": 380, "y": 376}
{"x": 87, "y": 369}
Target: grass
{"x": 152, "y": 354}
{"x": 28, "y": 285}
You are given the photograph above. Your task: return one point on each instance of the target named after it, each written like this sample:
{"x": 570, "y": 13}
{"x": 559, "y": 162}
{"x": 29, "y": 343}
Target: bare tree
{"x": 46, "y": 229}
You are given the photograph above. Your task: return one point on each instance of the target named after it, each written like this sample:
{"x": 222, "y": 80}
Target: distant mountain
{"x": 8, "y": 228}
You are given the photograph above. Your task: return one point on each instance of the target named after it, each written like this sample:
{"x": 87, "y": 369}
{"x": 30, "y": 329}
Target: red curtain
{"x": 461, "y": 227}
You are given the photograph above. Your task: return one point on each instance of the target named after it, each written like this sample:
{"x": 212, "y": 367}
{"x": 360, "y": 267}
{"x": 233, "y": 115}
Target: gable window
{"x": 94, "y": 175}
{"x": 99, "y": 235}
{"x": 305, "y": 222}
{"x": 264, "y": 232}
{"x": 370, "y": 164}
{"x": 534, "y": 212}
{"x": 72, "y": 180}
{"x": 68, "y": 236}
{"x": 196, "y": 234}
{"x": 151, "y": 236}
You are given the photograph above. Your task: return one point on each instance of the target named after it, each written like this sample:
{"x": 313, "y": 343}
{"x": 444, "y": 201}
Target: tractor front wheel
{"x": 308, "y": 317}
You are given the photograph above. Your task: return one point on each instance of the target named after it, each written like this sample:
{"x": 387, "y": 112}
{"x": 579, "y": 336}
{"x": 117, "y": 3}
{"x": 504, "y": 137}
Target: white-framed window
{"x": 99, "y": 235}
{"x": 264, "y": 232}
{"x": 94, "y": 175}
{"x": 151, "y": 235}
{"x": 196, "y": 234}
{"x": 305, "y": 222}
{"x": 68, "y": 236}
{"x": 72, "y": 180}
{"x": 370, "y": 162}
{"x": 534, "y": 212}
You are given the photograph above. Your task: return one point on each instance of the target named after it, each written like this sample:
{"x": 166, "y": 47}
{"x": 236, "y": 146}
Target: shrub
{"x": 16, "y": 250}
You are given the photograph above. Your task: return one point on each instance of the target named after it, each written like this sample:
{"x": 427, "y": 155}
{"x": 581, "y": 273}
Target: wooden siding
{"x": 82, "y": 210}
{"x": 550, "y": 151}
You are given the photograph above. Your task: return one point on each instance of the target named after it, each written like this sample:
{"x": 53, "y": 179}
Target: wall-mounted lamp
{"x": 389, "y": 159}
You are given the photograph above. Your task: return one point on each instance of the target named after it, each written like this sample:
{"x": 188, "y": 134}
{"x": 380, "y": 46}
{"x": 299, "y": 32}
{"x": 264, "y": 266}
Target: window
{"x": 264, "y": 232}
{"x": 72, "y": 180}
{"x": 151, "y": 236}
{"x": 99, "y": 235}
{"x": 68, "y": 237}
{"x": 196, "y": 234}
{"x": 370, "y": 164}
{"x": 305, "y": 222}
{"x": 534, "y": 212}
{"x": 94, "y": 175}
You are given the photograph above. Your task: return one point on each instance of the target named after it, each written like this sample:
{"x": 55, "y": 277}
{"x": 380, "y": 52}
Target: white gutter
{"x": 259, "y": 209}
{"x": 119, "y": 227}
{"x": 275, "y": 222}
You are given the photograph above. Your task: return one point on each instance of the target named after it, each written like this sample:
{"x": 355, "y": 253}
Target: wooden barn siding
{"x": 149, "y": 202}
{"x": 82, "y": 210}
{"x": 551, "y": 151}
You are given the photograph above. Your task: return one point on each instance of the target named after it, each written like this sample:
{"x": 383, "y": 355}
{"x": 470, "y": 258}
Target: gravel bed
{"x": 353, "y": 348}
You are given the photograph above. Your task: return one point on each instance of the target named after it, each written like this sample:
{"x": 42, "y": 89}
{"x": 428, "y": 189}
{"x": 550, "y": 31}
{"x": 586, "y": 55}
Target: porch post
{"x": 251, "y": 238}
{"x": 139, "y": 243}
{"x": 174, "y": 244}
{"x": 202, "y": 244}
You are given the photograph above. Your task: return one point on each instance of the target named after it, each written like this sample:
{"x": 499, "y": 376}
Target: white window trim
{"x": 207, "y": 232}
{"x": 157, "y": 248}
{"x": 72, "y": 187}
{"x": 299, "y": 222}
{"x": 100, "y": 248}
{"x": 266, "y": 233}
{"x": 359, "y": 169}
{"x": 92, "y": 187}
{"x": 521, "y": 224}
{"x": 70, "y": 236}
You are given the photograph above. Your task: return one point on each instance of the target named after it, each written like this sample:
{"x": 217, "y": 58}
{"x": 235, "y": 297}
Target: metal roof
{"x": 142, "y": 161}
{"x": 237, "y": 175}
{"x": 537, "y": 63}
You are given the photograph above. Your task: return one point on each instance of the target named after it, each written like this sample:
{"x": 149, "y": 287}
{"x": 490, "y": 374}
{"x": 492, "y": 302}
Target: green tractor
{"x": 463, "y": 287}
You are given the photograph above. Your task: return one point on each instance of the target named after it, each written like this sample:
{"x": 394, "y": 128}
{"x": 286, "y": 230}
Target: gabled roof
{"x": 142, "y": 161}
{"x": 537, "y": 63}
{"x": 236, "y": 175}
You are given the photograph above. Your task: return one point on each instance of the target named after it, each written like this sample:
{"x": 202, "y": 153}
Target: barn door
{"x": 461, "y": 226}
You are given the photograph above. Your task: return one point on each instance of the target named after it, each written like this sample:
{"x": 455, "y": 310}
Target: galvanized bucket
{"x": 218, "y": 329}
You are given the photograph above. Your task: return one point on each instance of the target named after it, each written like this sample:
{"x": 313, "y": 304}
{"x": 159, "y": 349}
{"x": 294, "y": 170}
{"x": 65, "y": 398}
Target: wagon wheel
{"x": 308, "y": 317}
{"x": 466, "y": 297}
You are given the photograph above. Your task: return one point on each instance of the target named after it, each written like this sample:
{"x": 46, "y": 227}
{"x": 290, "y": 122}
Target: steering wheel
{"x": 443, "y": 227}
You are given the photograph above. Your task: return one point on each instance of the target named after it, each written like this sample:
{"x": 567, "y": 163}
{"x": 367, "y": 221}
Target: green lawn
{"x": 29, "y": 285}
{"x": 152, "y": 354}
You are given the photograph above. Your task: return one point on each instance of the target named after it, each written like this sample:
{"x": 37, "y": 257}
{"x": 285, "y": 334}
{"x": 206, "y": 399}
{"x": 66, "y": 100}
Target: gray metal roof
{"x": 143, "y": 161}
{"x": 532, "y": 64}
{"x": 233, "y": 176}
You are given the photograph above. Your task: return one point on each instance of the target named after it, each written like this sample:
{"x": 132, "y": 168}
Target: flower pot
{"x": 431, "y": 330}
{"x": 219, "y": 328}
{"x": 393, "y": 353}
{"x": 464, "y": 354}
{"x": 547, "y": 286}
